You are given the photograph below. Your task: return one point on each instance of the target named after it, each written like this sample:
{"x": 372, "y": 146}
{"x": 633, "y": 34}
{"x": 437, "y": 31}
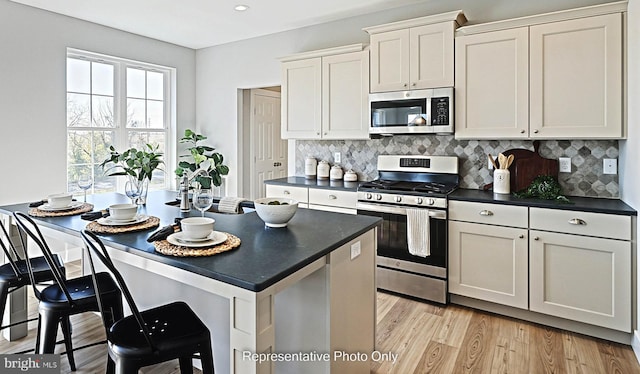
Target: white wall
{"x": 222, "y": 70}
{"x": 629, "y": 149}
{"x": 33, "y": 47}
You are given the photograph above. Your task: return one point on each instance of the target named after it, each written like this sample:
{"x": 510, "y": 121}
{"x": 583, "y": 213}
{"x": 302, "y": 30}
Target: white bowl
{"x": 197, "y": 227}
{"x": 59, "y": 200}
{"x": 122, "y": 212}
{"x": 276, "y": 215}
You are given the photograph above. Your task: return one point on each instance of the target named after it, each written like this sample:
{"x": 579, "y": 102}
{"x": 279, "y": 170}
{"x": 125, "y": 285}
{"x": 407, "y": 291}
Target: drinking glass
{"x": 85, "y": 182}
{"x": 203, "y": 199}
{"x": 132, "y": 191}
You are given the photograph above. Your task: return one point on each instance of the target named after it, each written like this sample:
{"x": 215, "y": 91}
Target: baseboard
{"x": 635, "y": 344}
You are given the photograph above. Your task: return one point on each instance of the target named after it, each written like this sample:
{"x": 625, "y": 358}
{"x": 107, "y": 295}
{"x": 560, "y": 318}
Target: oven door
{"x": 392, "y": 237}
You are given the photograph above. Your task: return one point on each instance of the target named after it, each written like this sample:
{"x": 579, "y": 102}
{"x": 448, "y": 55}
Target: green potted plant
{"x": 201, "y": 156}
{"x": 137, "y": 165}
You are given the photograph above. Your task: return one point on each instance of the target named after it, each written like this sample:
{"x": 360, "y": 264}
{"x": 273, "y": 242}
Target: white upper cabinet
{"x": 302, "y": 99}
{"x": 576, "y": 78}
{"x": 556, "y": 75}
{"x": 492, "y": 84}
{"x": 325, "y": 94}
{"x": 414, "y": 54}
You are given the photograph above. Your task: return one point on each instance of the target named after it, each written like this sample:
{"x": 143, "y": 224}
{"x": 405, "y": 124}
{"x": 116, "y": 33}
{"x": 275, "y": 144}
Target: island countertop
{"x": 265, "y": 256}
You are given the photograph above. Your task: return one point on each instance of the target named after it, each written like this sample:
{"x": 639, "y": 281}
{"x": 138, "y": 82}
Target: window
{"x": 111, "y": 101}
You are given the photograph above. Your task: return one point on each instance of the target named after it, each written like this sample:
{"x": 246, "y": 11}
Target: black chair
{"x": 66, "y": 297}
{"x": 155, "y": 335}
{"x": 14, "y": 274}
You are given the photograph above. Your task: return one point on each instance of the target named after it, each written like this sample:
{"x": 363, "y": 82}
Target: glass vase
{"x": 140, "y": 189}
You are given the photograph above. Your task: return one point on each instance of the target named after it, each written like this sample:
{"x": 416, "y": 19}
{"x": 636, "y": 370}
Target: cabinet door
{"x": 301, "y": 99}
{"x": 431, "y": 55}
{"x": 581, "y": 278}
{"x": 345, "y": 96}
{"x": 576, "y": 78}
{"x": 492, "y": 85}
{"x": 390, "y": 61}
{"x": 488, "y": 263}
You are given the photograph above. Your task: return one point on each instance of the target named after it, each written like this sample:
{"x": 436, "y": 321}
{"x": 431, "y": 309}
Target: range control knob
{"x": 378, "y": 196}
{"x": 369, "y": 196}
{"x": 419, "y": 200}
{"x": 431, "y": 202}
{"x": 398, "y": 199}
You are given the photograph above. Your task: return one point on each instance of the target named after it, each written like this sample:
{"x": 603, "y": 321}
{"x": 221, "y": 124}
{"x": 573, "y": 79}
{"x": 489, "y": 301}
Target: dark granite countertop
{"x": 266, "y": 255}
{"x": 315, "y": 183}
{"x": 584, "y": 204}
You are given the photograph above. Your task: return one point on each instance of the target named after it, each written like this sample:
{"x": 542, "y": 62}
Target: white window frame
{"x": 120, "y": 113}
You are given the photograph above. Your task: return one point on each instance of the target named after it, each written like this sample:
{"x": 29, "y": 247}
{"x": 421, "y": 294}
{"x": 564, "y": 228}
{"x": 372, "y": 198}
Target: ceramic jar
{"x": 336, "y": 173}
{"x": 350, "y": 176}
{"x": 310, "y": 167}
{"x": 323, "y": 170}
{"x": 501, "y": 181}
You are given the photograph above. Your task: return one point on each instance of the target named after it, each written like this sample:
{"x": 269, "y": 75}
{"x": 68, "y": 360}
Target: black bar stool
{"x": 155, "y": 335}
{"x": 67, "y": 297}
{"x": 14, "y": 274}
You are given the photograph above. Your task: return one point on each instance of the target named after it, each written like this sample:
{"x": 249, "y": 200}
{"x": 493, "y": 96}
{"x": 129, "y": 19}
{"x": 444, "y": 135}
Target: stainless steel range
{"x": 408, "y": 187}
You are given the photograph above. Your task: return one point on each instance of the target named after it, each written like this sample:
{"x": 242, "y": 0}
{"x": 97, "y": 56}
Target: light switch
{"x": 610, "y": 166}
{"x": 337, "y": 157}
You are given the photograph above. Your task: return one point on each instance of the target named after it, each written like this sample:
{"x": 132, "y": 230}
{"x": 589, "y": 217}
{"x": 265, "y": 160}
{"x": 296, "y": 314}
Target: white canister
{"x": 501, "y": 181}
{"x": 323, "y": 170}
{"x": 310, "y": 165}
{"x": 350, "y": 176}
{"x": 336, "y": 173}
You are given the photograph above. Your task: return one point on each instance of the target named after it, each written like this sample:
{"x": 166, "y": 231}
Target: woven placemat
{"x": 85, "y": 207}
{"x": 97, "y": 228}
{"x": 167, "y": 248}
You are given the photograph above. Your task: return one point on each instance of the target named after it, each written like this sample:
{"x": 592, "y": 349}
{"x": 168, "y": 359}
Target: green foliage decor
{"x": 138, "y": 164}
{"x": 199, "y": 154}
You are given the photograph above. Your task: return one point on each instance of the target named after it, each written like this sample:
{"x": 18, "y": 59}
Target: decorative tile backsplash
{"x": 586, "y": 177}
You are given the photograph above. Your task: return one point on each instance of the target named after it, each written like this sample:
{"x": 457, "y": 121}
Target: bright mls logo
{"x": 44, "y": 364}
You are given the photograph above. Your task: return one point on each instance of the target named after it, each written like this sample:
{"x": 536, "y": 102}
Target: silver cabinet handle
{"x": 521, "y": 236}
{"x": 486, "y": 213}
{"x": 577, "y": 221}
{"x": 286, "y": 192}
{"x": 333, "y": 197}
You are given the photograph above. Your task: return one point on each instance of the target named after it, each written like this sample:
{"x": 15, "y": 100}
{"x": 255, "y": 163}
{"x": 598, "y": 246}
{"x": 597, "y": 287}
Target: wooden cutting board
{"x": 529, "y": 164}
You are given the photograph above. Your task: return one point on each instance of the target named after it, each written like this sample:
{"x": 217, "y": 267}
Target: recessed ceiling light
{"x": 241, "y": 8}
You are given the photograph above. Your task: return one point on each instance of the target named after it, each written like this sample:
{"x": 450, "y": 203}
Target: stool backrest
{"x": 10, "y": 255}
{"x": 29, "y": 228}
{"x": 95, "y": 247}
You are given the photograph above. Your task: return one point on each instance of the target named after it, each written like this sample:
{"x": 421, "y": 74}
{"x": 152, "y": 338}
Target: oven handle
{"x": 437, "y": 214}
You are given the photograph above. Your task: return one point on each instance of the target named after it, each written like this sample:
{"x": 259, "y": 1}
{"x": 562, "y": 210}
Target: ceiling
{"x": 204, "y": 23}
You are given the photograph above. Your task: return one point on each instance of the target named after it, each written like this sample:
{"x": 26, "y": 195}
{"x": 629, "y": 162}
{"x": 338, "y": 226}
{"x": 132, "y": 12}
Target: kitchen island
{"x": 307, "y": 289}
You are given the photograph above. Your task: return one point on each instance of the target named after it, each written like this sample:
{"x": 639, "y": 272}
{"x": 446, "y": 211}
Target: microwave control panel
{"x": 440, "y": 111}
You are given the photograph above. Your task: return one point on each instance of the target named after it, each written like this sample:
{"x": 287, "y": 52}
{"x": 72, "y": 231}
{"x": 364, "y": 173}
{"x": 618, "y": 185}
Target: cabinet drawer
{"x": 581, "y": 223}
{"x": 342, "y": 199}
{"x": 297, "y": 193}
{"x": 494, "y": 214}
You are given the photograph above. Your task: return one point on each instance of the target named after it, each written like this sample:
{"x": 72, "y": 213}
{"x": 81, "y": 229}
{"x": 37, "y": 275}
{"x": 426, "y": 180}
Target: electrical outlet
{"x": 565, "y": 164}
{"x": 355, "y": 250}
{"x": 610, "y": 166}
{"x": 337, "y": 157}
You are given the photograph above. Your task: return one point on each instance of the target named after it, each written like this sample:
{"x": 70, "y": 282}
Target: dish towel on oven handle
{"x": 418, "y": 232}
{"x": 230, "y": 204}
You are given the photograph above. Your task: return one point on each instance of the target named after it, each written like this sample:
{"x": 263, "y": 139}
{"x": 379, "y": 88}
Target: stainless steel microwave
{"x": 427, "y": 111}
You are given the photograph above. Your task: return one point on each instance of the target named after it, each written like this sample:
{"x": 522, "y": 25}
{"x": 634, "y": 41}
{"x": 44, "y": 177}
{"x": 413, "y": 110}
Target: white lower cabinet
{"x": 567, "y": 264}
{"x": 339, "y": 201}
{"x": 489, "y": 263}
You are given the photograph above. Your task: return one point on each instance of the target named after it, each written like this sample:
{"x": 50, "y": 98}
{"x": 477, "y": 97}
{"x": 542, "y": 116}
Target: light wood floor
{"x": 427, "y": 339}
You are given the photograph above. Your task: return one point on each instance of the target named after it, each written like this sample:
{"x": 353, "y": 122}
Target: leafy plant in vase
{"x": 201, "y": 157}
{"x": 137, "y": 165}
